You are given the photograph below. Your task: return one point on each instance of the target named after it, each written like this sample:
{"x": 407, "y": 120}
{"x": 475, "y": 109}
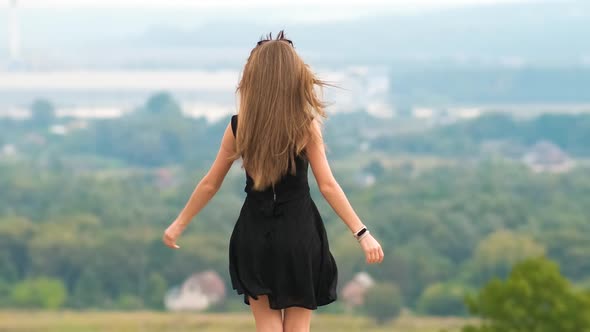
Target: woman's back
{"x": 279, "y": 244}
{"x": 289, "y": 186}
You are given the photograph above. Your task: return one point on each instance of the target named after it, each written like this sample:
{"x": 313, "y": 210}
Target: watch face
{"x": 361, "y": 232}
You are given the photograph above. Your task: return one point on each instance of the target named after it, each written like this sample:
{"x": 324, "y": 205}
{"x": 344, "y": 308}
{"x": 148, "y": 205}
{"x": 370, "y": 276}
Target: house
{"x": 365, "y": 179}
{"x": 164, "y": 178}
{"x": 197, "y": 292}
{"x": 8, "y": 150}
{"x": 353, "y": 292}
{"x": 65, "y": 129}
{"x": 545, "y": 156}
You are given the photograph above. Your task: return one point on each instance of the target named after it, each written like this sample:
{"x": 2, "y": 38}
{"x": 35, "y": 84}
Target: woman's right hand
{"x": 372, "y": 249}
{"x": 172, "y": 233}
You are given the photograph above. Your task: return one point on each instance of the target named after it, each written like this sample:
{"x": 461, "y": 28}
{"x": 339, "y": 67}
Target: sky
{"x": 84, "y": 24}
{"x": 237, "y": 4}
{"x": 249, "y": 3}
{"x": 282, "y": 10}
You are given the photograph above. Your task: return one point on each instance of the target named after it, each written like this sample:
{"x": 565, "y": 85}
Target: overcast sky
{"x": 334, "y": 4}
{"x": 281, "y": 10}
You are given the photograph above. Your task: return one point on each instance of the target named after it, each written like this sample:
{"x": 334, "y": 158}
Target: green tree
{"x": 41, "y": 292}
{"x": 162, "y": 103}
{"x": 15, "y": 232}
{"x": 413, "y": 267}
{"x": 571, "y": 245}
{"x": 383, "y": 301}
{"x": 5, "y": 291}
{"x": 535, "y": 297}
{"x": 88, "y": 291}
{"x": 496, "y": 254}
{"x": 375, "y": 167}
{"x": 440, "y": 299}
{"x": 42, "y": 113}
{"x": 156, "y": 289}
{"x": 8, "y": 270}
{"x": 129, "y": 302}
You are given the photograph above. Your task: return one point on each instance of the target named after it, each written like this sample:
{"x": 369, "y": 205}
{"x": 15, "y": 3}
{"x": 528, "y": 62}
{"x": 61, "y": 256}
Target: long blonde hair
{"x": 277, "y": 105}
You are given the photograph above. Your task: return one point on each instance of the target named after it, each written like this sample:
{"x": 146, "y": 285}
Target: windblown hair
{"x": 277, "y": 105}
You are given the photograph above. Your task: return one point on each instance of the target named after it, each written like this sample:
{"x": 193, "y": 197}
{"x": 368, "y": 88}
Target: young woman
{"x": 279, "y": 256}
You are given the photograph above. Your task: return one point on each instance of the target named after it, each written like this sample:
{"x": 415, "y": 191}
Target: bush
{"x": 383, "y": 301}
{"x": 443, "y": 300}
{"x": 129, "y": 302}
{"x": 535, "y": 297}
{"x": 42, "y": 292}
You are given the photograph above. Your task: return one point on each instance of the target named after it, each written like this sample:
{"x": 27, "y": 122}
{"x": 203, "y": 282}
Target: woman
{"x": 279, "y": 256}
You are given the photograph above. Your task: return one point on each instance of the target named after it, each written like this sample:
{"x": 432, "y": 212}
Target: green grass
{"x": 147, "y": 321}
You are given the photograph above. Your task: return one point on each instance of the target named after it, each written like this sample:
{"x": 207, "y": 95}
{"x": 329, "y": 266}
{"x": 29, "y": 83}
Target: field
{"x": 146, "y": 321}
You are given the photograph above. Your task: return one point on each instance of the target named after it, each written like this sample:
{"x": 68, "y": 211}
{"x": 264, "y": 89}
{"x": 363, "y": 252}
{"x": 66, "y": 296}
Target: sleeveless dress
{"x": 279, "y": 245}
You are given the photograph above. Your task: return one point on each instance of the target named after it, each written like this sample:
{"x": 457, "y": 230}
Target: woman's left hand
{"x": 171, "y": 235}
{"x": 372, "y": 249}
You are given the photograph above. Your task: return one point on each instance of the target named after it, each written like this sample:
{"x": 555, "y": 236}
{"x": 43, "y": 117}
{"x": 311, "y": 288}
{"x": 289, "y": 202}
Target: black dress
{"x": 279, "y": 245}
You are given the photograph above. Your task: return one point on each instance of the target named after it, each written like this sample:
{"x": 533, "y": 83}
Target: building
{"x": 8, "y": 150}
{"x": 545, "y": 156}
{"x": 353, "y": 293}
{"x": 197, "y": 292}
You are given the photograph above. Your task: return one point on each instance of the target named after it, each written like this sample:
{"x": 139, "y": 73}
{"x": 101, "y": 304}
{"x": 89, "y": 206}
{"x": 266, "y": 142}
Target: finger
{"x": 382, "y": 254}
{"x": 171, "y": 244}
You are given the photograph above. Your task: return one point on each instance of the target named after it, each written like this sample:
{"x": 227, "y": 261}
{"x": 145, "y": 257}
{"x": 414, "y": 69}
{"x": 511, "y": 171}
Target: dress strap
{"x": 234, "y": 123}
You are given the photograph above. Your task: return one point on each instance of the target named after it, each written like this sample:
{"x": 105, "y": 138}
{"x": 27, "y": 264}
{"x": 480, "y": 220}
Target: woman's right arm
{"x": 334, "y": 194}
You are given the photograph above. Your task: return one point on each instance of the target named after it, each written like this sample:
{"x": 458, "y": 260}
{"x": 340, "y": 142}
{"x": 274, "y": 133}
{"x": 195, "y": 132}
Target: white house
{"x": 197, "y": 292}
{"x": 353, "y": 293}
{"x": 545, "y": 156}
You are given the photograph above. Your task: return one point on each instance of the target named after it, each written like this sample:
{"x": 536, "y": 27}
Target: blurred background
{"x": 460, "y": 132}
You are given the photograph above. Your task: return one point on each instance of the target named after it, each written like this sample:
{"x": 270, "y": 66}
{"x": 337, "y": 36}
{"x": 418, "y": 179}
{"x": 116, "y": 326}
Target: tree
{"x": 535, "y": 297}
{"x": 88, "y": 291}
{"x": 41, "y": 292}
{"x": 156, "y": 289}
{"x": 15, "y": 232}
{"x": 375, "y": 167}
{"x": 162, "y": 103}
{"x": 570, "y": 245}
{"x": 5, "y": 291}
{"x": 129, "y": 302}
{"x": 383, "y": 301}
{"x": 440, "y": 299}
{"x": 42, "y": 112}
{"x": 8, "y": 271}
{"x": 496, "y": 254}
{"x": 415, "y": 266}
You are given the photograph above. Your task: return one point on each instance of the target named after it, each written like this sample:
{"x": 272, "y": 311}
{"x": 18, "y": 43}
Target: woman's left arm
{"x": 205, "y": 189}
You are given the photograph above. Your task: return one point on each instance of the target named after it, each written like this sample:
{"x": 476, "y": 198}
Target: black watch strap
{"x": 361, "y": 232}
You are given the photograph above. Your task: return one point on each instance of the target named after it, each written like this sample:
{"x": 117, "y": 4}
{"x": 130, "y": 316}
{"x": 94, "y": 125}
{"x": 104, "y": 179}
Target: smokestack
{"x": 14, "y": 33}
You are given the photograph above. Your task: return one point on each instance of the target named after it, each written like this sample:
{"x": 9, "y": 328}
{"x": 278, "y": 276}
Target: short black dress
{"x": 279, "y": 245}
